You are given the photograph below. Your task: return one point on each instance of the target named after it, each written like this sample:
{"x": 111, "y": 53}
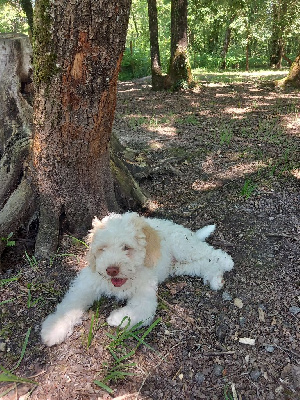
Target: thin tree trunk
{"x": 157, "y": 78}
{"x": 226, "y": 44}
{"x": 179, "y": 69}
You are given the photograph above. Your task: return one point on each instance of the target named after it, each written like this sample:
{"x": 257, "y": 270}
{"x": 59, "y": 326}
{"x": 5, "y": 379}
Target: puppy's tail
{"x": 203, "y": 233}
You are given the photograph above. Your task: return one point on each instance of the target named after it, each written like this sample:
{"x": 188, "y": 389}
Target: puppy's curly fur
{"x": 129, "y": 256}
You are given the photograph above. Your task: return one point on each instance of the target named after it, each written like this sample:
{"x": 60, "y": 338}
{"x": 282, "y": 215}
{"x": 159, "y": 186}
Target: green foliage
{"x": 251, "y": 22}
{"x": 12, "y": 17}
{"x": 7, "y": 241}
{"x": 135, "y": 64}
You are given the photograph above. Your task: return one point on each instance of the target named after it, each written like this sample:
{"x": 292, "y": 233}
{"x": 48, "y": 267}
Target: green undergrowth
{"x": 122, "y": 347}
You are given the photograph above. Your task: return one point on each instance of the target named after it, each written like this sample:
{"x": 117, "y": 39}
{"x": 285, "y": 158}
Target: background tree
{"x": 179, "y": 69}
{"x": 156, "y": 71}
{"x": 293, "y": 77}
{"x": 28, "y": 10}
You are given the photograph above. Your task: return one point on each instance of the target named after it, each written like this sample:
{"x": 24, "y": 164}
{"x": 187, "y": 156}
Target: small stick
{"x": 218, "y": 353}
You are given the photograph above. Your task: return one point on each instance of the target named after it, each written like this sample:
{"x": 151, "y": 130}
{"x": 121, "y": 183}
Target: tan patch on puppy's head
{"x": 152, "y": 246}
{"x": 152, "y": 239}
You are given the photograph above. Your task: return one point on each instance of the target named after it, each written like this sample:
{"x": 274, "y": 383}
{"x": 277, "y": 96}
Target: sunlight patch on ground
{"x": 155, "y": 145}
{"x": 234, "y": 110}
{"x": 202, "y": 186}
{"x": 232, "y": 172}
{"x": 164, "y": 130}
{"x": 294, "y": 126}
{"x": 227, "y": 77}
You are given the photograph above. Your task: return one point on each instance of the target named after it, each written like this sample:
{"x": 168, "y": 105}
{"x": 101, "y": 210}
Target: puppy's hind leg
{"x": 81, "y": 295}
{"x": 205, "y": 261}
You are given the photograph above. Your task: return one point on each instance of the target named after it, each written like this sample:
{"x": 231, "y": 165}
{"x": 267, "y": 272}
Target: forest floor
{"x": 227, "y": 153}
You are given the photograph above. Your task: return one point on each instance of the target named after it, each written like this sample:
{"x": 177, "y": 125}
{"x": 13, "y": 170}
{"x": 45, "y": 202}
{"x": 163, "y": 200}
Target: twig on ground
{"x": 218, "y": 353}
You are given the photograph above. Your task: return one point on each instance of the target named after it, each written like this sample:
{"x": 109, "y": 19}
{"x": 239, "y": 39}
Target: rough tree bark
{"x": 78, "y": 48}
{"x": 179, "y": 70}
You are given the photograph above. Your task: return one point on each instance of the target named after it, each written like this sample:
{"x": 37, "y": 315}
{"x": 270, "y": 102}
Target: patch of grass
{"x": 225, "y": 136}
{"x": 30, "y": 302}
{"x": 8, "y": 376}
{"x": 230, "y": 392}
{"x": 248, "y": 188}
{"x": 188, "y": 120}
{"x": 94, "y": 320}
{"x": 122, "y": 351}
{"x": 78, "y": 241}
{"x": 32, "y": 261}
{"x": 135, "y": 122}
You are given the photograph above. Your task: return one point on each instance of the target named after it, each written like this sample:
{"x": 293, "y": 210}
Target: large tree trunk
{"x": 77, "y": 51}
{"x": 293, "y": 77}
{"x": 157, "y": 77}
{"x": 179, "y": 73}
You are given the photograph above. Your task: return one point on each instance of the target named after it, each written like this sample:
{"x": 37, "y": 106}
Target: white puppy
{"x": 129, "y": 256}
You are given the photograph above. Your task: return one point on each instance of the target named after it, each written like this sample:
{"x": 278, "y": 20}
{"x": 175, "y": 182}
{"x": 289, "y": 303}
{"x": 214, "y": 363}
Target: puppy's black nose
{"x": 113, "y": 270}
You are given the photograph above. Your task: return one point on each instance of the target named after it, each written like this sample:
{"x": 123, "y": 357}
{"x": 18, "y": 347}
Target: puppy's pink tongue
{"x": 118, "y": 282}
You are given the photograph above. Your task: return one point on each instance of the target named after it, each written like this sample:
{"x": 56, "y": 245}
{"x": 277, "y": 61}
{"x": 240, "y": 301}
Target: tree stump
{"x": 16, "y": 194}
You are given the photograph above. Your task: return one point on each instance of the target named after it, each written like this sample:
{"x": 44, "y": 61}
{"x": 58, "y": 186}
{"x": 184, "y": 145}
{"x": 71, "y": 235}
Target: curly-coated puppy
{"x": 129, "y": 256}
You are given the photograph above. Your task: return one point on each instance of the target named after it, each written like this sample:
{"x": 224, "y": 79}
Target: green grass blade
{"x": 7, "y": 376}
{"x": 9, "y": 280}
{"x": 23, "y": 349}
{"x": 103, "y": 386}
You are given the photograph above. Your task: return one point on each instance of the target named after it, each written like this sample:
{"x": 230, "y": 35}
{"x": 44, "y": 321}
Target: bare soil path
{"x": 224, "y": 153}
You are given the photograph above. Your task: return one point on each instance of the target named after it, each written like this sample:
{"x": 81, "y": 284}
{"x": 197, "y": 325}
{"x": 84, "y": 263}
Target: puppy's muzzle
{"x": 113, "y": 270}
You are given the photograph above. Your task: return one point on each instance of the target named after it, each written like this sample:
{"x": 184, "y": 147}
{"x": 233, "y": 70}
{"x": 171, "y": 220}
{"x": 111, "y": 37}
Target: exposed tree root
{"x": 20, "y": 205}
{"x": 129, "y": 186}
{"x": 11, "y": 168}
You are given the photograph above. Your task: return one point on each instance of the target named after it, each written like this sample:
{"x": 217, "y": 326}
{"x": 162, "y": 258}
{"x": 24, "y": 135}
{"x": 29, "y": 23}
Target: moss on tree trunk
{"x": 293, "y": 77}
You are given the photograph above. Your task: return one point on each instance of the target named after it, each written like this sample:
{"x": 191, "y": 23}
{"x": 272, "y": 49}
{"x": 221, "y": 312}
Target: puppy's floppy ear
{"x": 151, "y": 236}
{"x": 91, "y": 257}
{"x": 152, "y": 245}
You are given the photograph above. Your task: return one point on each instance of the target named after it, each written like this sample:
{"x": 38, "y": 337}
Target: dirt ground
{"x": 223, "y": 153}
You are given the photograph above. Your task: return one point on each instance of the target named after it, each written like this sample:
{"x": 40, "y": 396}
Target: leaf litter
{"x": 222, "y": 153}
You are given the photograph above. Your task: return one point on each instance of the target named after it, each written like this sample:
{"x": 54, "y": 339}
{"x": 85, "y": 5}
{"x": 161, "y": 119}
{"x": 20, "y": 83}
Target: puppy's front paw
{"x": 118, "y": 317}
{"x": 126, "y": 316}
{"x": 55, "y": 329}
{"x": 59, "y": 325}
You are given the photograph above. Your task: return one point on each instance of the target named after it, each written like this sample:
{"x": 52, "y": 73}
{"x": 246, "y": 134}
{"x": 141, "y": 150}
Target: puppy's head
{"x": 121, "y": 246}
